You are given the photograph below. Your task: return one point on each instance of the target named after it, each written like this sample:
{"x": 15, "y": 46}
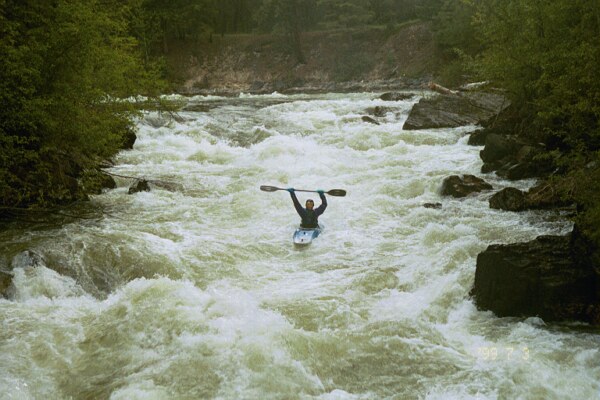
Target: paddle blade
{"x": 269, "y": 188}
{"x": 337, "y": 192}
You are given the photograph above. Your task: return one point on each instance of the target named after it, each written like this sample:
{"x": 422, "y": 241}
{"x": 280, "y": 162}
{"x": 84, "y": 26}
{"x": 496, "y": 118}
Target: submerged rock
{"x": 26, "y": 259}
{"x": 379, "y": 111}
{"x": 370, "y": 120}
{"x": 450, "y": 111}
{"x": 139, "y": 186}
{"x": 396, "y": 96}
{"x": 457, "y": 186}
{"x": 435, "y": 206}
{"x": 537, "y": 278}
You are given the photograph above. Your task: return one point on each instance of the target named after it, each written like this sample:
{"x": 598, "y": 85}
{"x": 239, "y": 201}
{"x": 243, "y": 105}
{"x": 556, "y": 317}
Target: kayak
{"x": 304, "y": 236}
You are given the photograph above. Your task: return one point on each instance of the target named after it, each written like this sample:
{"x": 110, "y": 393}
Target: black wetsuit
{"x": 309, "y": 217}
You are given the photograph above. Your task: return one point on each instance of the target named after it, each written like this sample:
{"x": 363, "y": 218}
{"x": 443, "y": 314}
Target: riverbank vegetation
{"x": 65, "y": 68}
{"x": 546, "y": 55}
{"x": 66, "y": 65}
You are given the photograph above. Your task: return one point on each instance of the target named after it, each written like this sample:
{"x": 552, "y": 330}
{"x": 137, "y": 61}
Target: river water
{"x": 194, "y": 289}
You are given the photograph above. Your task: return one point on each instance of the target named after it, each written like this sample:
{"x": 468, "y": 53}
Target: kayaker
{"x": 309, "y": 215}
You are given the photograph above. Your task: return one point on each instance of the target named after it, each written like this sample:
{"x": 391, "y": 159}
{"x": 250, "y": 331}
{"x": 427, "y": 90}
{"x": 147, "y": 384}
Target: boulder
{"x": 435, "y": 206}
{"x": 545, "y": 195}
{"x": 537, "y": 278}
{"x": 396, "y": 96}
{"x": 498, "y": 147}
{"x": 509, "y": 199}
{"x": 129, "y": 138}
{"x": 366, "y": 118}
{"x": 140, "y": 185}
{"x": 457, "y": 186}
{"x": 107, "y": 182}
{"x": 379, "y": 111}
{"x": 477, "y": 138}
{"x": 450, "y": 111}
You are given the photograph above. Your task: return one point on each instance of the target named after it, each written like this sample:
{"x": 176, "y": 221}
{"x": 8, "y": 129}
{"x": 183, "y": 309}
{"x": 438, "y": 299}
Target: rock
{"x": 509, "y": 199}
{"x": 107, "y": 182}
{"x": 486, "y": 168}
{"x": 477, "y": 138}
{"x": 537, "y": 278}
{"x": 368, "y": 119}
{"x": 26, "y": 259}
{"x": 379, "y": 111}
{"x": 140, "y": 185}
{"x": 396, "y": 96}
{"x": 450, "y": 111}
{"x": 524, "y": 170}
{"x": 129, "y": 138}
{"x": 498, "y": 147}
{"x": 436, "y": 206}
{"x": 457, "y": 186}
{"x": 586, "y": 255}
{"x": 545, "y": 195}
{"x": 5, "y": 282}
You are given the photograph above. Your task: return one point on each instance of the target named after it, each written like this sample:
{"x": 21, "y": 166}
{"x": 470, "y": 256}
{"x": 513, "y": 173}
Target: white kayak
{"x": 304, "y": 236}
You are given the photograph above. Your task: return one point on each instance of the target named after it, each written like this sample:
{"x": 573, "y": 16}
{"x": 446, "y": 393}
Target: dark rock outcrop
{"x": 5, "y": 282}
{"x": 94, "y": 181}
{"x": 366, "y": 118}
{"x": 139, "y": 186}
{"x": 435, "y": 206}
{"x": 129, "y": 138}
{"x": 396, "y": 96}
{"x": 477, "y": 138}
{"x": 457, "y": 186}
{"x": 542, "y": 196}
{"x": 509, "y": 199}
{"x": 513, "y": 159}
{"x": 538, "y": 278}
{"x": 449, "y": 111}
{"x": 498, "y": 148}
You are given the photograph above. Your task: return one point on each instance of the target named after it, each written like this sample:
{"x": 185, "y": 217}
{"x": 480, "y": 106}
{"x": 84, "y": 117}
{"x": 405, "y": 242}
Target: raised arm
{"x": 321, "y": 209}
{"x": 297, "y": 205}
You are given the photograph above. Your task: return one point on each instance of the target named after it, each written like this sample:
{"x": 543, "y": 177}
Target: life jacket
{"x": 310, "y": 219}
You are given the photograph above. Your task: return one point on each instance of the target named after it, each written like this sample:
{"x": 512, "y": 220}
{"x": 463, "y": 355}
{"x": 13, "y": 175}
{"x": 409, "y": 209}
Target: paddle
{"x": 332, "y": 192}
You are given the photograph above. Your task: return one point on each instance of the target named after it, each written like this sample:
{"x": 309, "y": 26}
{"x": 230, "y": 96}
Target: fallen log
{"x": 442, "y": 90}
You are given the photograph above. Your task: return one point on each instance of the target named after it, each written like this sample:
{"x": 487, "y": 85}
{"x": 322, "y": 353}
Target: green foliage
{"x": 344, "y": 13}
{"x": 547, "y": 55}
{"x": 456, "y": 41}
{"x": 64, "y": 66}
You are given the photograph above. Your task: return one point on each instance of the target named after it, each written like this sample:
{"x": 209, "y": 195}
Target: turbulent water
{"x": 194, "y": 290}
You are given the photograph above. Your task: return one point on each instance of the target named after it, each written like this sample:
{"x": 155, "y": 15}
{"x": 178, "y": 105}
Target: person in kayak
{"x": 309, "y": 215}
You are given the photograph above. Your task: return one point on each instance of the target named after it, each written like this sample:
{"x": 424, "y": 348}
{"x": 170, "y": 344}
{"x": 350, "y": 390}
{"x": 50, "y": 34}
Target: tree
{"x": 65, "y": 65}
{"x": 345, "y": 13}
{"x": 291, "y": 17}
{"x": 547, "y": 55}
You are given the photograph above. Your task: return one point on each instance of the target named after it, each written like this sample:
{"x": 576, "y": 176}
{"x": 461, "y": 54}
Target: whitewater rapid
{"x": 194, "y": 289}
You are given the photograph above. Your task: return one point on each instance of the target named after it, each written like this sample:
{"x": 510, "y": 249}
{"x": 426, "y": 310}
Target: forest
{"x": 67, "y": 66}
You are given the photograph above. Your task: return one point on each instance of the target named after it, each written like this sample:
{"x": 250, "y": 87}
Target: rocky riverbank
{"x": 343, "y": 60}
{"x": 555, "y": 278}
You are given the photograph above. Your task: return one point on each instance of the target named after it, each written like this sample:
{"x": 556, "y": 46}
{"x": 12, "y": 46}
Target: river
{"x": 194, "y": 290}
